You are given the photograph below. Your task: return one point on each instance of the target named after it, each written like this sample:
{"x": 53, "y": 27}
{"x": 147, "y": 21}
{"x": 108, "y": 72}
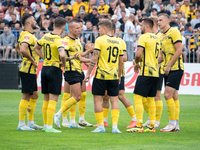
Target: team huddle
{"x": 158, "y": 57}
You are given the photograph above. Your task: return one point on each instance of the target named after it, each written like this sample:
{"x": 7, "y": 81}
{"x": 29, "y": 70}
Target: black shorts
{"x": 99, "y": 86}
{"x": 73, "y": 77}
{"x": 160, "y": 81}
{"x": 146, "y": 86}
{"x": 174, "y": 79}
{"x": 121, "y": 85}
{"x": 51, "y": 79}
{"x": 29, "y": 82}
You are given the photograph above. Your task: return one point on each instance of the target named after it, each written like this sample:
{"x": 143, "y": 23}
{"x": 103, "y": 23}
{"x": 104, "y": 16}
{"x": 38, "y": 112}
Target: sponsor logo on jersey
{"x": 26, "y": 38}
{"x": 64, "y": 44}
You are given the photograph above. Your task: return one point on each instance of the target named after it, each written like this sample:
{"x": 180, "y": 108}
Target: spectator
{"x": 14, "y": 21}
{"x": 94, "y": 36}
{"x": 90, "y": 14}
{"x": 83, "y": 16}
{"x": 171, "y": 6}
{"x": 194, "y": 46}
{"x": 1, "y": 18}
{"x": 7, "y": 40}
{"x": 103, "y": 8}
{"x": 87, "y": 33}
{"x": 50, "y": 11}
{"x": 173, "y": 22}
{"x": 46, "y": 26}
{"x": 75, "y": 7}
{"x": 115, "y": 21}
{"x": 123, "y": 14}
{"x": 186, "y": 7}
{"x": 95, "y": 17}
{"x": 188, "y": 28}
{"x": 154, "y": 12}
{"x": 112, "y": 8}
{"x": 98, "y": 2}
{"x": 102, "y": 17}
{"x": 144, "y": 5}
{"x": 132, "y": 7}
{"x": 129, "y": 36}
{"x": 21, "y": 9}
{"x": 18, "y": 3}
{"x": 196, "y": 20}
{"x": 68, "y": 19}
{"x": 91, "y": 3}
{"x": 157, "y": 5}
{"x": 139, "y": 16}
{"x": 10, "y": 11}
{"x": 38, "y": 2}
{"x": 191, "y": 13}
{"x": 120, "y": 8}
{"x": 185, "y": 51}
{"x": 27, "y": 10}
{"x": 178, "y": 9}
{"x": 5, "y": 4}
{"x": 48, "y": 4}
{"x": 38, "y": 9}
{"x": 16, "y": 32}
{"x": 40, "y": 20}
{"x": 122, "y": 27}
{"x": 65, "y": 12}
{"x": 2, "y": 24}
{"x": 56, "y": 13}
{"x": 162, "y": 9}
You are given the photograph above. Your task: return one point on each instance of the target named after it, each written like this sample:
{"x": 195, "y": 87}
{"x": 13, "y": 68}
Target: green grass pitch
{"x": 11, "y": 138}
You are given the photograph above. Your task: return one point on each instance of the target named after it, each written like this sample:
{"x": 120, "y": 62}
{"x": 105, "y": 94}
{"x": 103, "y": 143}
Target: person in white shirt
{"x": 33, "y": 5}
{"x": 119, "y": 9}
{"x": 171, "y": 5}
{"x": 115, "y": 21}
{"x": 129, "y": 36}
{"x": 11, "y": 11}
{"x": 196, "y": 20}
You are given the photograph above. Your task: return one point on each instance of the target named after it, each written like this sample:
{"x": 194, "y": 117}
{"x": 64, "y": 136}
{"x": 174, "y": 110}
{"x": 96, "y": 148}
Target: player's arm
{"x": 38, "y": 49}
{"x": 179, "y": 47}
{"x": 125, "y": 58}
{"x": 18, "y": 49}
{"x": 84, "y": 60}
{"x": 62, "y": 54}
{"x": 138, "y": 58}
{"x": 24, "y": 51}
{"x": 120, "y": 65}
{"x": 89, "y": 48}
{"x": 160, "y": 58}
{"x": 93, "y": 62}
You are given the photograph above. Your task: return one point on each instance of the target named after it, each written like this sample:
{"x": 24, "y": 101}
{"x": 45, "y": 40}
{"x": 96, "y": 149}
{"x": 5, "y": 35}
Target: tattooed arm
{"x": 160, "y": 58}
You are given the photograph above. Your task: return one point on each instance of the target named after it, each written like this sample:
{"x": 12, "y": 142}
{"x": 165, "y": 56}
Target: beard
{"x": 33, "y": 26}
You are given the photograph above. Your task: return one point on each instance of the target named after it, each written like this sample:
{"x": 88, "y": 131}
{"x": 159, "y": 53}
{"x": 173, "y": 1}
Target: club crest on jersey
{"x": 64, "y": 44}
{"x": 26, "y": 38}
{"x": 75, "y": 42}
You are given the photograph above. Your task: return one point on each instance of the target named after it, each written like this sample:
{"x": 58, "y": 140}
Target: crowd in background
{"x": 126, "y": 14}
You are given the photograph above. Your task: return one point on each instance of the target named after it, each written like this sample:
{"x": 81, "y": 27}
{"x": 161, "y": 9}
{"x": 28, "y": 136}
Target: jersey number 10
{"x": 47, "y": 51}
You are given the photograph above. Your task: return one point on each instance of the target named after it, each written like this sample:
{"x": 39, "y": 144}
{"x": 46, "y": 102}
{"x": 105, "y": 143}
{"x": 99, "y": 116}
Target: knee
{"x": 167, "y": 95}
{"x": 13, "y": 51}
{"x": 35, "y": 95}
{"x": 120, "y": 96}
{"x": 77, "y": 97}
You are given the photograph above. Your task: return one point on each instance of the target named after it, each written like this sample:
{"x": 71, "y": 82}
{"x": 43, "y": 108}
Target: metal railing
{"x": 189, "y": 55}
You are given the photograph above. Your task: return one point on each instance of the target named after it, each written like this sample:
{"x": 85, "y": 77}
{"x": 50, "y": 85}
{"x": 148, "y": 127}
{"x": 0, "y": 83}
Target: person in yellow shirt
{"x": 178, "y": 9}
{"x": 186, "y": 7}
{"x": 75, "y": 7}
{"x": 191, "y": 13}
{"x": 103, "y": 8}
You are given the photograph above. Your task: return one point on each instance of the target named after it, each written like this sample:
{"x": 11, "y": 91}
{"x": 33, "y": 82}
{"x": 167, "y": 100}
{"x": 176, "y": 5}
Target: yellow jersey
{"x": 149, "y": 59}
{"x": 31, "y": 40}
{"x": 123, "y": 44}
{"x": 110, "y": 49}
{"x": 50, "y": 43}
{"x": 185, "y": 9}
{"x": 75, "y": 8}
{"x": 162, "y": 71}
{"x": 73, "y": 46}
{"x": 168, "y": 39}
{"x": 103, "y": 9}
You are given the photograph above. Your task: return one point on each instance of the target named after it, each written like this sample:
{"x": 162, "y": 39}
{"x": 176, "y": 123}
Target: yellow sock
{"x": 115, "y": 116}
{"x": 68, "y": 104}
{"x": 171, "y": 108}
{"x": 145, "y": 105}
{"x": 23, "y": 109}
{"x": 50, "y": 112}
{"x": 152, "y": 110}
{"x": 72, "y": 111}
{"x": 159, "y": 108}
{"x": 31, "y": 109}
{"x": 82, "y": 104}
{"x": 138, "y": 109}
{"x": 105, "y": 113}
{"x": 131, "y": 111}
{"x": 177, "y": 109}
{"x": 66, "y": 96}
{"x": 44, "y": 111}
{"x": 99, "y": 118}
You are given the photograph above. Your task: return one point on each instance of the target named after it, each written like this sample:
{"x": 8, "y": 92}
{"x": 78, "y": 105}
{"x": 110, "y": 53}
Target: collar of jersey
{"x": 167, "y": 30}
{"x": 109, "y": 35}
{"x": 28, "y": 31}
{"x": 72, "y": 38}
{"x": 53, "y": 34}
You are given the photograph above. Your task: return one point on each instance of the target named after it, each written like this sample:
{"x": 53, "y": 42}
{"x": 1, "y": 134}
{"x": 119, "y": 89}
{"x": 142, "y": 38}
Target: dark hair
{"x": 106, "y": 23}
{"x": 101, "y": 16}
{"x": 26, "y": 7}
{"x": 76, "y": 20}
{"x": 59, "y": 22}
{"x": 154, "y": 9}
{"x": 123, "y": 11}
{"x": 148, "y": 21}
{"x": 10, "y": 5}
{"x": 95, "y": 9}
{"x": 187, "y": 25}
{"x": 88, "y": 21}
{"x": 24, "y": 18}
{"x": 1, "y": 11}
{"x": 113, "y": 27}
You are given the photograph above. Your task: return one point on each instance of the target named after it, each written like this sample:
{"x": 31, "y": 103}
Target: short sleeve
{"x": 27, "y": 38}
{"x": 176, "y": 36}
{"x": 61, "y": 43}
{"x": 39, "y": 42}
{"x": 97, "y": 45}
{"x": 141, "y": 41}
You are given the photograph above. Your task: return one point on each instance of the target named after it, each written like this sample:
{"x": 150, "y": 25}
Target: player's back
{"x": 110, "y": 50}
{"x": 30, "y": 39}
{"x": 123, "y": 45}
{"x": 149, "y": 60}
{"x": 50, "y": 43}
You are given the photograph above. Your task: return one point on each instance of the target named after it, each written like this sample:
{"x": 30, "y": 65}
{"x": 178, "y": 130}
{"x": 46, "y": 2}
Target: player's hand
{"x": 119, "y": 80}
{"x": 136, "y": 68}
{"x": 35, "y": 64}
{"x": 91, "y": 47}
{"x": 75, "y": 56}
{"x": 87, "y": 77}
{"x": 167, "y": 70}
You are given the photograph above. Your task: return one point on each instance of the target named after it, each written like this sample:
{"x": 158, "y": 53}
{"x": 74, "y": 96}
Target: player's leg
{"x": 146, "y": 108}
{"x": 82, "y": 107}
{"x": 159, "y": 108}
{"x": 44, "y": 110}
{"x": 66, "y": 96}
{"x": 129, "y": 107}
{"x": 177, "y": 110}
{"x": 105, "y": 105}
{"x": 8, "y": 49}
